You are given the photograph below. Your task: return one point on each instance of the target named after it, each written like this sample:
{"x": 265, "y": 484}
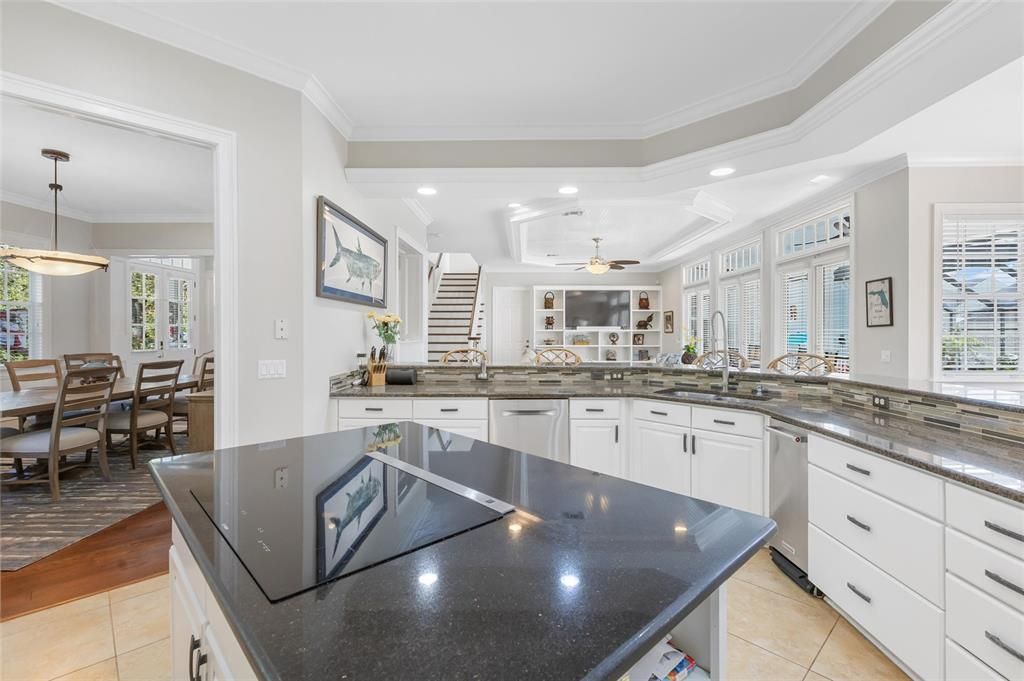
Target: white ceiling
{"x": 115, "y": 174}
{"x": 980, "y": 124}
{"x": 472, "y": 70}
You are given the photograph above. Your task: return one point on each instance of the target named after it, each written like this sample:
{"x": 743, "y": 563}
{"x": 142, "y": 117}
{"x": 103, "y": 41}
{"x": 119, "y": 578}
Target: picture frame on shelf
{"x": 878, "y": 296}
{"x": 638, "y": 339}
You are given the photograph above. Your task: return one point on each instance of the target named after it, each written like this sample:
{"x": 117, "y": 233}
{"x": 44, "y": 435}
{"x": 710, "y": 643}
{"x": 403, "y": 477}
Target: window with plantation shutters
{"x": 732, "y": 314}
{"x": 750, "y": 315}
{"x": 705, "y": 319}
{"x": 179, "y": 313}
{"x": 795, "y": 311}
{"x": 698, "y": 318}
{"x": 832, "y": 314}
{"x": 981, "y": 294}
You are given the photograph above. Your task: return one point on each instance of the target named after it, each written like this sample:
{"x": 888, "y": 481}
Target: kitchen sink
{"x": 711, "y": 395}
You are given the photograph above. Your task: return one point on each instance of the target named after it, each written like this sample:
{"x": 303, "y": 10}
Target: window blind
{"x": 795, "y": 311}
{"x": 692, "y": 316}
{"x": 981, "y": 295}
{"x": 751, "y": 325}
{"x": 832, "y": 316}
{"x": 705, "y": 319}
{"x": 732, "y": 316}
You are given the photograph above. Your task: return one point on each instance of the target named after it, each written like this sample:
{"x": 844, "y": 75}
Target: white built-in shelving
{"x": 594, "y": 344}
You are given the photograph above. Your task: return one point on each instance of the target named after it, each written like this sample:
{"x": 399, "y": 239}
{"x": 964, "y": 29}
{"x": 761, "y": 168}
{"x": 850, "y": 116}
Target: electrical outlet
{"x": 281, "y": 329}
{"x": 879, "y": 402}
{"x": 281, "y": 477}
{"x": 615, "y": 376}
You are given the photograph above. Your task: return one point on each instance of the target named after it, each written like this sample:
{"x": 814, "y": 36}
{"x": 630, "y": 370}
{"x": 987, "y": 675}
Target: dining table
{"x": 31, "y": 401}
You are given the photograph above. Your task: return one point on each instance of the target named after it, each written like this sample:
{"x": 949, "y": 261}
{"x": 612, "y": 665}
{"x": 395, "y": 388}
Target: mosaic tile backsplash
{"x": 940, "y": 411}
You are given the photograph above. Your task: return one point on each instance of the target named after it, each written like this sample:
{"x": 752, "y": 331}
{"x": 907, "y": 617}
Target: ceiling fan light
{"x": 53, "y": 263}
{"x": 598, "y": 267}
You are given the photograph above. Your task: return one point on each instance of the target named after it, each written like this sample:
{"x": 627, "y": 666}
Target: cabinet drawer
{"x": 962, "y": 666}
{"x": 355, "y": 424}
{"x": 905, "y": 544}
{"x": 661, "y": 412}
{"x": 992, "y": 571}
{"x": 728, "y": 421}
{"x": 991, "y": 631}
{"x": 908, "y": 625}
{"x": 594, "y": 409}
{"x": 375, "y": 408}
{"x": 994, "y": 522}
{"x": 449, "y": 409}
{"x": 915, "y": 489}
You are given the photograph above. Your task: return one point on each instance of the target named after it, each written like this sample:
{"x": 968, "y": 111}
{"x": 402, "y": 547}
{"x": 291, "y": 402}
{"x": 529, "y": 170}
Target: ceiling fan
{"x": 597, "y": 264}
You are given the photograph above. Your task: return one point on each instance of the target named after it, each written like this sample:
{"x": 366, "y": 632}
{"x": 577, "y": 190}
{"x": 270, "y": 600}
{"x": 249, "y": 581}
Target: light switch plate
{"x": 271, "y": 368}
{"x": 886, "y": 355}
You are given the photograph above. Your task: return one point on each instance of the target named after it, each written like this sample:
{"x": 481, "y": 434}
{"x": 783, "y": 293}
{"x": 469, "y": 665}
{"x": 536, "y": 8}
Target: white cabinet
{"x": 203, "y": 646}
{"x": 728, "y": 469}
{"x": 596, "y": 444}
{"x": 471, "y": 428}
{"x": 659, "y": 456}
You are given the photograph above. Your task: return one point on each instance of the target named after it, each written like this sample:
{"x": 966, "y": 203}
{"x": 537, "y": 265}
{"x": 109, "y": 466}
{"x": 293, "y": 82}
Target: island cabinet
{"x": 596, "y": 435}
{"x": 931, "y": 570}
{"x": 460, "y": 416}
{"x": 203, "y": 646}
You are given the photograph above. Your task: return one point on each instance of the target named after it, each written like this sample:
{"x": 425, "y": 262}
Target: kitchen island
{"x": 386, "y": 552}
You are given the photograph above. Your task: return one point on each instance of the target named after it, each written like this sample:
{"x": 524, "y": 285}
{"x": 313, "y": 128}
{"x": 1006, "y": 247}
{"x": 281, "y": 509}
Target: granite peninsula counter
{"x": 583, "y": 577}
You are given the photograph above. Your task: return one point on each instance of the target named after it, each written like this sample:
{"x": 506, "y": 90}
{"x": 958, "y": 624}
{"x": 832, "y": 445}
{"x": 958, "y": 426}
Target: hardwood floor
{"x": 132, "y": 550}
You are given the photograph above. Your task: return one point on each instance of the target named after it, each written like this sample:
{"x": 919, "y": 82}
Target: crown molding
{"x": 45, "y": 206}
{"x": 419, "y": 211}
{"x": 136, "y": 19}
{"x": 992, "y": 160}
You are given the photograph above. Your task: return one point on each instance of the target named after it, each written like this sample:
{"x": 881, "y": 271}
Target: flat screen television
{"x": 596, "y": 308}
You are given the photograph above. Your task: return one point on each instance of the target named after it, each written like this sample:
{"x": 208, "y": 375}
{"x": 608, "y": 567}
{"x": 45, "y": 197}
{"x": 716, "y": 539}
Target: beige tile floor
{"x": 776, "y": 633}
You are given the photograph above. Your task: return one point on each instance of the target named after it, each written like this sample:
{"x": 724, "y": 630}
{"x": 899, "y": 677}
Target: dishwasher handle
{"x": 528, "y": 412}
{"x": 786, "y": 434}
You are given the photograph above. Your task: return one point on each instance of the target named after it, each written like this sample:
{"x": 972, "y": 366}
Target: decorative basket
{"x": 645, "y": 301}
{"x": 549, "y": 300}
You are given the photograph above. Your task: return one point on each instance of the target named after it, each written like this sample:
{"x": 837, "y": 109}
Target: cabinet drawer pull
{"x": 594, "y": 410}
{"x": 449, "y": 410}
{"x": 858, "y": 469}
{"x": 724, "y": 422}
{"x": 693, "y": 444}
{"x": 1005, "y": 646}
{"x": 659, "y": 413}
{"x": 863, "y": 526}
{"x": 1005, "y": 532}
{"x": 373, "y": 408}
{"x": 684, "y": 444}
{"x": 1001, "y": 581}
{"x": 616, "y": 434}
{"x": 195, "y": 663}
{"x": 857, "y": 591}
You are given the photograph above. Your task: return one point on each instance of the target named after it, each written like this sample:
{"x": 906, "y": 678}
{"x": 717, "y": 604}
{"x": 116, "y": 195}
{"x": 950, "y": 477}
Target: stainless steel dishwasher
{"x": 538, "y": 427}
{"x": 787, "y": 495}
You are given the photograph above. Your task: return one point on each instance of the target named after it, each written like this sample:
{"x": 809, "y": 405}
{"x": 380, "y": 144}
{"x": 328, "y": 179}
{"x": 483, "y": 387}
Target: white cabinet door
{"x": 469, "y": 428}
{"x": 187, "y": 622}
{"x": 728, "y": 470}
{"x": 596, "y": 445}
{"x": 659, "y": 456}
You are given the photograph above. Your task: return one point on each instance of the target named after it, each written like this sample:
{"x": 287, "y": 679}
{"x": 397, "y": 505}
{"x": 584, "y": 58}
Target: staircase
{"x": 456, "y": 314}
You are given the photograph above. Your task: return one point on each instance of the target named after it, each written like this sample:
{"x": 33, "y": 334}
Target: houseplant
{"x": 690, "y": 350}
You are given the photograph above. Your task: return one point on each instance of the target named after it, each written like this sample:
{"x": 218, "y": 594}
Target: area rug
{"x": 32, "y": 526}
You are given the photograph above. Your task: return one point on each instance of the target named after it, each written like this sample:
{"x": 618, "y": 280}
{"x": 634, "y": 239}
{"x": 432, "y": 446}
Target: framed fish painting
{"x": 346, "y": 513}
{"x": 351, "y": 258}
{"x": 878, "y": 296}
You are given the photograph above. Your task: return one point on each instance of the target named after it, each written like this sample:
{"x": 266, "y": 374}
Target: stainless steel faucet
{"x": 725, "y": 347}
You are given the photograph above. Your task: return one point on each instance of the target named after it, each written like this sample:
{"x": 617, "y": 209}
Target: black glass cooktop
{"x": 305, "y": 517}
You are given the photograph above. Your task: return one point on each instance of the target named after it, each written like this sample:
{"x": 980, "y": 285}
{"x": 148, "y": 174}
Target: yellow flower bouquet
{"x": 386, "y": 326}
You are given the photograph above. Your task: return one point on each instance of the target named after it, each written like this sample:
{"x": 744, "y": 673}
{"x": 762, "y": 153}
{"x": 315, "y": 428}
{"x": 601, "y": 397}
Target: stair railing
{"x": 473, "y": 332}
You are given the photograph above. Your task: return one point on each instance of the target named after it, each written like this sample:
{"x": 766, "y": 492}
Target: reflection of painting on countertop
{"x": 352, "y": 258}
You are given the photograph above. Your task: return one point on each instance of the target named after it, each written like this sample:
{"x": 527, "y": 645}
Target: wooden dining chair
{"x": 77, "y": 425}
{"x": 202, "y": 371}
{"x": 79, "y": 360}
{"x": 464, "y": 356}
{"x": 557, "y": 357}
{"x": 34, "y": 373}
{"x": 801, "y": 364}
{"x": 152, "y": 405}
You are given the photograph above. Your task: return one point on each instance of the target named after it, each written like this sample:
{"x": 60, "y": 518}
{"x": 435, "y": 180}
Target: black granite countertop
{"x": 988, "y": 463}
{"x": 579, "y": 582}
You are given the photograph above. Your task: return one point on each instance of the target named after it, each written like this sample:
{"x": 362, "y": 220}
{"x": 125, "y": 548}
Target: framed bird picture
{"x": 878, "y": 299}
{"x": 351, "y": 258}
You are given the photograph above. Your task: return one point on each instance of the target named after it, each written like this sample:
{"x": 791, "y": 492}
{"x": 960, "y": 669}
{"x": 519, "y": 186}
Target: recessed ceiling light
{"x": 514, "y": 205}
{"x": 426, "y": 191}
{"x": 820, "y": 178}
{"x": 567, "y": 189}
{"x": 722, "y": 172}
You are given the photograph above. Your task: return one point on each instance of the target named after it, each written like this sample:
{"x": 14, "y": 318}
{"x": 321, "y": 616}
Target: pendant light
{"x": 53, "y": 262}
